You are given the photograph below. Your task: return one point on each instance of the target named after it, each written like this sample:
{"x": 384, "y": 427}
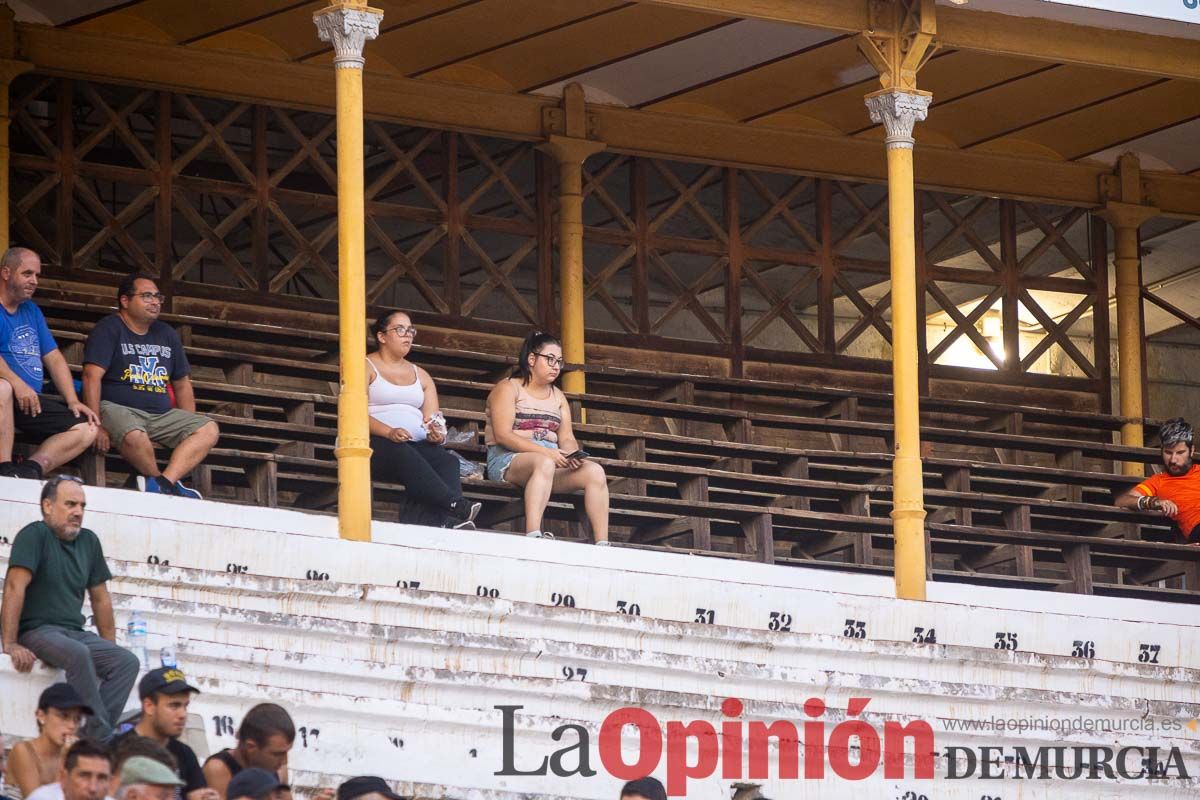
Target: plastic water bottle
{"x": 137, "y": 639}
{"x": 166, "y": 655}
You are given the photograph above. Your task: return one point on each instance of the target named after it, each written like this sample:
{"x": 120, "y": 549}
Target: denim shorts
{"x": 499, "y": 458}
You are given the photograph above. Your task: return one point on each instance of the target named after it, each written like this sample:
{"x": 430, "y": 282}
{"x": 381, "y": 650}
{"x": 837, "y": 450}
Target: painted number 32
{"x": 780, "y": 622}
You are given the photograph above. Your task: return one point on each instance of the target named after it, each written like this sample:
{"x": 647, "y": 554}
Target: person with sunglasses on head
{"x": 52, "y": 563}
{"x": 129, "y": 359}
{"x": 34, "y": 763}
{"x": 28, "y": 354}
{"x": 408, "y": 430}
{"x": 531, "y": 443}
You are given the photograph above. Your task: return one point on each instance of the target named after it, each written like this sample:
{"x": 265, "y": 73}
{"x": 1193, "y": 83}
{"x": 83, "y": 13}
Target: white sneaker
{"x": 540, "y": 535}
{"x": 605, "y": 543}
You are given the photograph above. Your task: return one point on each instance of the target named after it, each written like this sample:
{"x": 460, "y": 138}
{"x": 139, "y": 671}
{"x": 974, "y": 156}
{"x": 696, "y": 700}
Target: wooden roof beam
{"x": 989, "y": 32}
{"x": 435, "y": 105}
{"x": 837, "y": 15}
{"x": 1050, "y": 40}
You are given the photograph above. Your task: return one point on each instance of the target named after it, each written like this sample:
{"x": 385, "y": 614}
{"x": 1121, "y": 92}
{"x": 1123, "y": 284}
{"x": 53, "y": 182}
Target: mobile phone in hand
{"x": 579, "y": 454}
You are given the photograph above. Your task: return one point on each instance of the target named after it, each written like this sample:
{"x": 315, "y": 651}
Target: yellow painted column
{"x": 1126, "y": 218}
{"x": 347, "y": 25}
{"x": 570, "y": 153}
{"x": 899, "y": 111}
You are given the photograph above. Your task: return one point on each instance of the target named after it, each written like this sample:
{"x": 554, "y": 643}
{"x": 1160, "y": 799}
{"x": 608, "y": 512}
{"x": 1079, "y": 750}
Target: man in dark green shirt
{"x": 52, "y": 564}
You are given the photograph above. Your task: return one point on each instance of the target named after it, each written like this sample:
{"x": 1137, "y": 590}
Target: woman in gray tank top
{"x": 530, "y": 439}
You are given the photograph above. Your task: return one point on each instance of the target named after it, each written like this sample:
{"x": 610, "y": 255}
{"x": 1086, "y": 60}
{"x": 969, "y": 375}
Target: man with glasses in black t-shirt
{"x": 129, "y": 361}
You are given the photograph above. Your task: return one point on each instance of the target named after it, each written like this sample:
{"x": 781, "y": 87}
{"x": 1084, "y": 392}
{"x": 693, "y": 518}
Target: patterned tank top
{"x": 536, "y": 418}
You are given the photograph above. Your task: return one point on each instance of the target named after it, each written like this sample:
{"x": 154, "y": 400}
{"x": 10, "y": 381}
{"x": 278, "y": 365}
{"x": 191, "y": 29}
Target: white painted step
{"x": 368, "y": 665}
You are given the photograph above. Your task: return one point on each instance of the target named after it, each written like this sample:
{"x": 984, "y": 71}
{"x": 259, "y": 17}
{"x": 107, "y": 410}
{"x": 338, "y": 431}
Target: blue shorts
{"x": 499, "y": 458}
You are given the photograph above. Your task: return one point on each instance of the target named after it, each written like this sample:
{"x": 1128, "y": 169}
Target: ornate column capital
{"x": 348, "y": 26}
{"x": 899, "y": 112}
{"x": 1126, "y": 215}
{"x": 570, "y": 150}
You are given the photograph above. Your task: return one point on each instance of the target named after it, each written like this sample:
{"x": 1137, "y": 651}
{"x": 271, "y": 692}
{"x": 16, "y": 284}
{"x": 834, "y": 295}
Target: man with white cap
{"x": 144, "y": 778}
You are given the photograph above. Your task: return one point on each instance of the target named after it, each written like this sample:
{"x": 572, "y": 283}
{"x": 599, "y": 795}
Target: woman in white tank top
{"x": 406, "y": 444}
{"x": 530, "y": 439}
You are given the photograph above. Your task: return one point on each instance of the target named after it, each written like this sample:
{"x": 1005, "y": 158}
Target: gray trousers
{"x": 100, "y": 671}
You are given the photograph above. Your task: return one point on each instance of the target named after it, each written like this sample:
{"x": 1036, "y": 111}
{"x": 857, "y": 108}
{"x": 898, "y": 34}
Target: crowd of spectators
{"x": 148, "y": 761}
{"x": 136, "y": 393}
{"x": 138, "y": 768}
{"x": 85, "y": 749}
{"x": 136, "y": 390}
{"x": 49, "y": 767}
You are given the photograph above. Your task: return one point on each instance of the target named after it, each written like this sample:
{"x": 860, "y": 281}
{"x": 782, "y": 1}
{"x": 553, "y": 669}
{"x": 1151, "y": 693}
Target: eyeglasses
{"x": 401, "y": 330}
{"x": 149, "y": 296}
{"x": 553, "y": 362}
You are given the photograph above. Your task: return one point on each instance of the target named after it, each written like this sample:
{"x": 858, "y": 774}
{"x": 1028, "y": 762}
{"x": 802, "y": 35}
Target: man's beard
{"x": 69, "y": 532}
{"x": 1180, "y": 470}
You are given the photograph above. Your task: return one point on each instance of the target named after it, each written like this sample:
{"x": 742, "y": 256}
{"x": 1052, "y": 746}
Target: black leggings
{"x": 428, "y": 471}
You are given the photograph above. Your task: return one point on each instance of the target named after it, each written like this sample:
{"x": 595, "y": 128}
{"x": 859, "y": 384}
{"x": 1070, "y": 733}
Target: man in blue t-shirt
{"x": 128, "y": 361}
{"x": 65, "y": 427}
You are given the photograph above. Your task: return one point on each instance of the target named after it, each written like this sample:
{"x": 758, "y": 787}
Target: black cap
{"x": 253, "y": 782}
{"x": 649, "y": 788}
{"x": 164, "y": 680}
{"x": 63, "y": 696}
{"x": 365, "y": 784}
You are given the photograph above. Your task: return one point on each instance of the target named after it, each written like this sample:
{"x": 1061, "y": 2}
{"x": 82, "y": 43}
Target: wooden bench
{"x": 308, "y": 342}
{"x": 990, "y": 521}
